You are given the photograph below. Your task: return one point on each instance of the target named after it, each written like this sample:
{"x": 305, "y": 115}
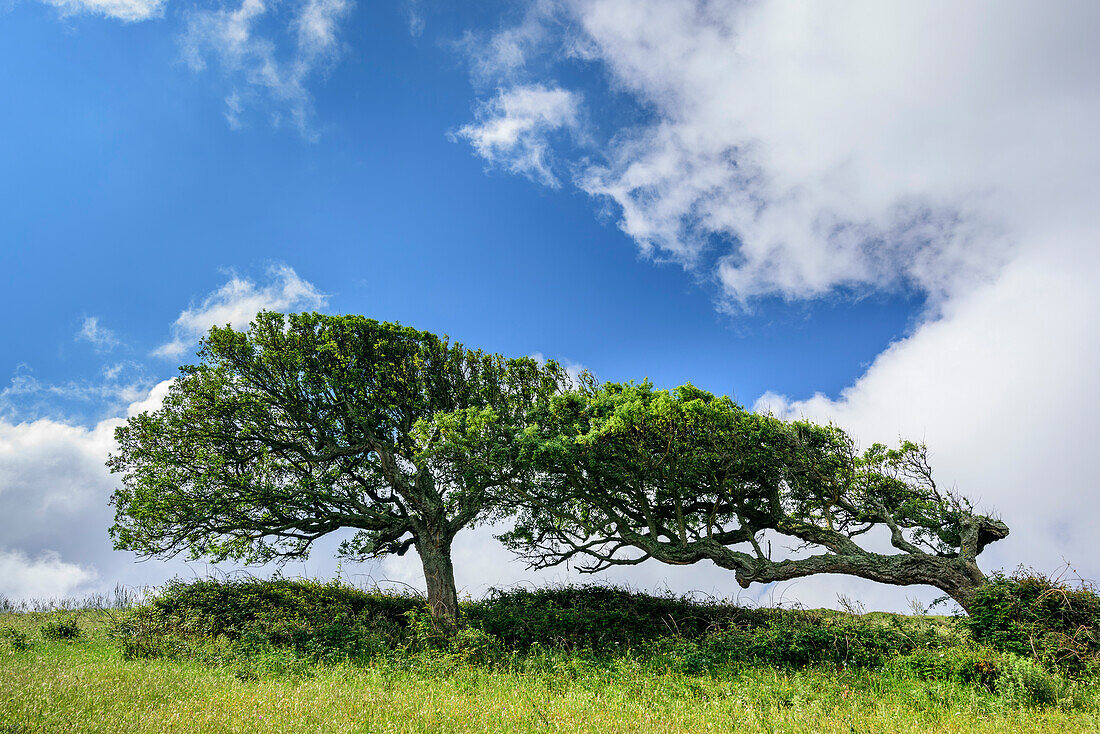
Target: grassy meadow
{"x": 293, "y": 659}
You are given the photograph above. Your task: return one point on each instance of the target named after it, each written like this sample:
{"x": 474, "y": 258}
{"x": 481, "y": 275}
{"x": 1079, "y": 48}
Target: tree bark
{"x": 959, "y": 578}
{"x": 439, "y": 575}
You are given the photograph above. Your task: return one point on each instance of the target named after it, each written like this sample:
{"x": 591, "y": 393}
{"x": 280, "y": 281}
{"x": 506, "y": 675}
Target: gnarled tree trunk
{"x": 439, "y": 575}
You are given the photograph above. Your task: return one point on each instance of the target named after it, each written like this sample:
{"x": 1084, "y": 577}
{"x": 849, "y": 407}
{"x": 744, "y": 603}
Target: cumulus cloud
{"x": 798, "y": 150}
{"x": 1003, "y": 392}
{"x": 513, "y": 129}
{"x": 247, "y": 42}
{"x": 237, "y": 302}
{"x": 128, "y": 11}
{"x": 53, "y": 505}
{"x": 827, "y": 146}
{"x": 44, "y": 577}
{"x": 54, "y": 509}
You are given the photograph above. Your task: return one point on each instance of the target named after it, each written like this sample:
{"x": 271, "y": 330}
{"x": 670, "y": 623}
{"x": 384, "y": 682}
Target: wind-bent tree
{"x": 308, "y": 424}
{"x": 620, "y": 473}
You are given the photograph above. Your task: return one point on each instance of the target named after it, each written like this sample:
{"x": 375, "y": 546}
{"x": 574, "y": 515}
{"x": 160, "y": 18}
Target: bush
{"x": 793, "y": 639}
{"x": 603, "y": 619}
{"x": 60, "y": 629}
{"x": 327, "y": 622}
{"x": 16, "y": 638}
{"x": 221, "y": 622}
{"x": 971, "y": 665}
{"x": 1022, "y": 680}
{"x": 1030, "y": 615}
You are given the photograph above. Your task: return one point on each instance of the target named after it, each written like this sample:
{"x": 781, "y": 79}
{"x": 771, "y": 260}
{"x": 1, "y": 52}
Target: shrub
{"x": 1024, "y": 681}
{"x": 1030, "y": 615}
{"x": 972, "y": 665}
{"x": 793, "y": 639}
{"x": 219, "y": 621}
{"x": 320, "y": 621}
{"x": 16, "y": 638}
{"x": 60, "y": 629}
{"x": 605, "y": 619}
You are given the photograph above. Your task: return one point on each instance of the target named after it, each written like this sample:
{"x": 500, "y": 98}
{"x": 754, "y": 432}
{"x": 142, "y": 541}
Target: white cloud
{"x": 44, "y": 577}
{"x": 503, "y": 55}
{"x": 129, "y": 11}
{"x": 414, "y": 16}
{"x": 237, "y": 302}
{"x": 151, "y": 401}
{"x": 246, "y": 42}
{"x": 799, "y": 149}
{"x": 1003, "y": 391}
{"x": 102, "y": 338}
{"x": 26, "y": 395}
{"x": 513, "y": 128}
{"x": 574, "y": 369}
{"x": 55, "y": 512}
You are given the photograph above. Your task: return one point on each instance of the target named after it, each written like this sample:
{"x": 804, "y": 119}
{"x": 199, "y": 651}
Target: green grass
{"x": 85, "y": 685}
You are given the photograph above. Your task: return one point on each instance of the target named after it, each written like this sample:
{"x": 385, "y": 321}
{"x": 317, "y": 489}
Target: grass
{"x": 83, "y": 683}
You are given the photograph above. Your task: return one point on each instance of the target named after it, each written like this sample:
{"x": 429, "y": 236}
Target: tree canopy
{"x": 619, "y": 473}
{"x": 307, "y": 424}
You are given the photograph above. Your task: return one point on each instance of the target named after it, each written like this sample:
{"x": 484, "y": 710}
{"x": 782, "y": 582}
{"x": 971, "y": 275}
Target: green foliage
{"x": 622, "y": 472}
{"x": 1034, "y": 616}
{"x": 18, "y": 639}
{"x": 228, "y": 620}
{"x": 263, "y": 630}
{"x": 599, "y": 618}
{"x": 705, "y": 677}
{"x": 1022, "y": 680}
{"x": 795, "y": 639}
{"x": 967, "y": 664}
{"x": 319, "y": 621}
{"x": 307, "y": 424}
{"x": 90, "y": 688}
{"x": 65, "y": 628}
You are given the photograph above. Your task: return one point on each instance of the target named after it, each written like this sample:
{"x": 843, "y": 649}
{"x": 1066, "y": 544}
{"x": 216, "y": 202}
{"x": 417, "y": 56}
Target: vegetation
{"x": 307, "y": 424}
{"x": 620, "y": 473}
{"x": 304, "y": 656}
{"x": 1034, "y": 616}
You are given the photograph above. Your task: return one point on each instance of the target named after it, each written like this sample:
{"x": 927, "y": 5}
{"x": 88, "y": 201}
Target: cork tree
{"x": 620, "y": 473}
{"x": 307, "y": 424}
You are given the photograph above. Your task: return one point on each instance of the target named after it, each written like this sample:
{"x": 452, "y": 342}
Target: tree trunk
{"x": 439, "y": 575}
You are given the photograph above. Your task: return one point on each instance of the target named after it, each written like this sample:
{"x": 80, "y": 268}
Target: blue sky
{"x": 129, "y": 195}
{"x": 650, "y": 199}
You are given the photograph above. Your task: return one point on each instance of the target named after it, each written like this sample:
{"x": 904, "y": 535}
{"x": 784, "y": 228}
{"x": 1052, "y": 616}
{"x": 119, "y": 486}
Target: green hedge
{"x": 333, "y": 621}
{"x": 1034, "y": 616}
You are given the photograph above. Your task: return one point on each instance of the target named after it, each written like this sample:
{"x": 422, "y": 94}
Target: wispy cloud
{"x": 129, "y": 11}
{"x": 102, "y": 338}
{"x": 513, "y": 129}
{"x": 414, "y": 16}
{"x": 26, "y": 397}
{"x": 502, "y": 57}
{"x": 237, "y": 302}
{"x": 248, "y": 43}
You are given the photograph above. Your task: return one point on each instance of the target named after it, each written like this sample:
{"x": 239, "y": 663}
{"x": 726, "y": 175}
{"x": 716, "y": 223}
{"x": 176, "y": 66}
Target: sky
{"x": 874, "y": 213}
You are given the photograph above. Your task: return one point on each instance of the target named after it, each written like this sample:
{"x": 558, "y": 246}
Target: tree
{"x": 619, "y": 473}
{"x": 308, "y": 424}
